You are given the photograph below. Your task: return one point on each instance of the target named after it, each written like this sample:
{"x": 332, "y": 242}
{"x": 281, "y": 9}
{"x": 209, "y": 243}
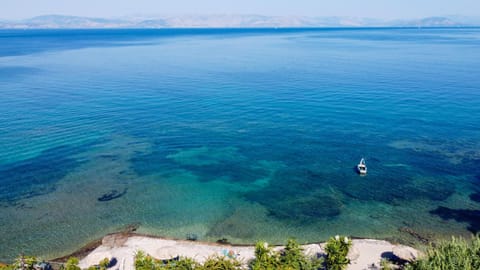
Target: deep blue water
{"x": 244, "y": 134}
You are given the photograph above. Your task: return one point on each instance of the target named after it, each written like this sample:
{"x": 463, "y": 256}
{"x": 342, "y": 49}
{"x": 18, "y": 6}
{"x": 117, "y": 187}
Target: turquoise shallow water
{"x": 240, "y": 134}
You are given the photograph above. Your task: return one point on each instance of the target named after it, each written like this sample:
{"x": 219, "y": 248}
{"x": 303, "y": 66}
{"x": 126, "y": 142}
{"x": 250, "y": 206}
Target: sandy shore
{"x": 364, "y": 252}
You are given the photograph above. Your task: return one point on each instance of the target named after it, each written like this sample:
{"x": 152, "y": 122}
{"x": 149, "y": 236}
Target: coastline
{"x": 233, "y": 171}
{"x": 123, "y": 246}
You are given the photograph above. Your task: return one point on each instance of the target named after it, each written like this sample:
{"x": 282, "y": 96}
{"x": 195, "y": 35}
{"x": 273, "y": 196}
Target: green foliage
{"x": 265, "y": 258}
{"x": 181, "y": 264}
{"x": 455, "y": 254}
{"x": 104, "y": 263}
{"x": 72, "y": 264}
{"x": 337, "y": 249}
{"x": 28, "y": 262}
{"x": 6, "y": 267}
{"x": 292, "y": 257}
{"x": 220, "y": 263}
{"x": 385, "y": 264}
{"x": 144, "y": 261}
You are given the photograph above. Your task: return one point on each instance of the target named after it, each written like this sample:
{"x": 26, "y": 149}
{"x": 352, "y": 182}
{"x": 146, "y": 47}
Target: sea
{"x": 237, "y": 135}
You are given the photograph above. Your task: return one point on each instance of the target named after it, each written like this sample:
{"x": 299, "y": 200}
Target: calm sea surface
{"x": 240, "y": 134}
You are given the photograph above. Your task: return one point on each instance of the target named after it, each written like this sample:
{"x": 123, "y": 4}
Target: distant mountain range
{"x": 228, "y": 21}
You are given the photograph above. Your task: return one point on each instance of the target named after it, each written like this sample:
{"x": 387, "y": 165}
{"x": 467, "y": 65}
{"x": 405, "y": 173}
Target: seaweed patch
{"x": 472, "y": 217}
{"x": 475, "y": 196}
{"x": 297, "y": 195}
{"x": 38, "y": 175}
{"x": 112, "y": 195}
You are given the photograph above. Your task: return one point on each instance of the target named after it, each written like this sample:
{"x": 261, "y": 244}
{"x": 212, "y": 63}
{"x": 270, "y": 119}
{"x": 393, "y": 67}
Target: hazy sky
{"x": 384, "y": 9}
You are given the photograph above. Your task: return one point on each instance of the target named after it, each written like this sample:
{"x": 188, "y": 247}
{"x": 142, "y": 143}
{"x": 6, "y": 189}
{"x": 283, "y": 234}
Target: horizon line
{"x": 240, "y": 14}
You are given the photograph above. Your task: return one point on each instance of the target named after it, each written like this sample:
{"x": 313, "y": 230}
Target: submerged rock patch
{"x": 112, "y": 195}
{"x": 306, "y": 209}
{"x": 205, "y": 156}
{"x": 475, "y": 196}
{"x": 39, "y": 175}
{"x": 472, "y": 217}
{"x": 237, "y": 225}
{"x": 297, "y": 195}
{"x": 391, "y": 190}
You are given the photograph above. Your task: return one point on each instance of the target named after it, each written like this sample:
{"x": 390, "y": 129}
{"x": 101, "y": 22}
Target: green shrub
{"x": 337, "y": 249}
{"x": 28, "y": 262}
{"x": 292, "y": 257}
{"x": 144, "y": 261}
{"x": 454, "y": 254}
{"x": 6, "y": 267}
{"x": 265, "y": 258}
{"x": 181, "y": 264}
{"x": 385, "y": 264}
{"x": 72, "y": 264}
{"x": 220, "y": 262}
{"x": 104, "y": 264}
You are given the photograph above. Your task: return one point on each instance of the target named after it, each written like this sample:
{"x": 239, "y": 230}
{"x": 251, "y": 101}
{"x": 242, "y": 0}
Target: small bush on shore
{"x": 146, "y": 262}
{"x": 265, "y": 257}
{"x": 385, "y": 264}
{"x": 27, "y": 261}
{"x": 292, "y": 257}
{"x": 181, "y": 264}
{"x": 72, "y": 264}
{"x": 103, "y": 264}
{"x": 457, "y": 253}
{"x": 337, "y": 249}
{"x": 6, "y": 267}
{"x": 220, "y": 262}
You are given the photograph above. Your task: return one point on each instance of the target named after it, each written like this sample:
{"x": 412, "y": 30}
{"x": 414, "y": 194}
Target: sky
{"x": 381, "y": 9}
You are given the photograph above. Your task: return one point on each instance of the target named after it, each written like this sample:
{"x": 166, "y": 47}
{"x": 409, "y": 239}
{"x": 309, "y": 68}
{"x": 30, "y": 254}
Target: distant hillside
{"x": 59, "y": 21}
{"x": 233, "y": 21}
{"x": 432, "y": 22}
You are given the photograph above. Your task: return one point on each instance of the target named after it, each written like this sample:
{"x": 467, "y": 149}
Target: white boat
{"x": 362, "y": 167}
